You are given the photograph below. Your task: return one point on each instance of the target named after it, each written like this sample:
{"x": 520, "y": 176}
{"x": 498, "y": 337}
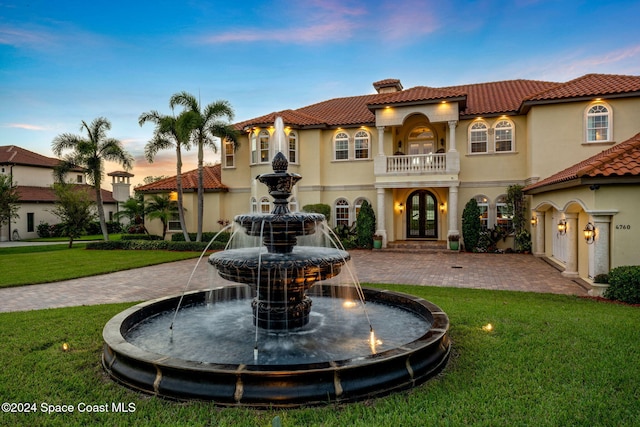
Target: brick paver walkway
{"x": 481, "y": 271}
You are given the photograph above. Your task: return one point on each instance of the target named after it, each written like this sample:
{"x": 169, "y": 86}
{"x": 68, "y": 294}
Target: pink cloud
{"x": 26, "y": 126}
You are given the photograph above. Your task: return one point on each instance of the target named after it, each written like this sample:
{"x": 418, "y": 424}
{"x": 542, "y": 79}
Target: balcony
{"x": 429, "y": 169}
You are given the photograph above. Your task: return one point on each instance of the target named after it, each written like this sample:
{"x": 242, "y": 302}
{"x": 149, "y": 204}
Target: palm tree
{"x": 170, "y": 132}
{"x": 163, "y": 208}
{"x": 204, "y": 126}
{"x": 133, "y": 210}
{"x": 90, "y": 153}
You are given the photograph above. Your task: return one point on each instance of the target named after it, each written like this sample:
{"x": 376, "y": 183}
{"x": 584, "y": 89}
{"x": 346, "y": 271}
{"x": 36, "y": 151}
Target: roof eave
{"x": 526, "y": 105}
{"x": 461, "y": 99}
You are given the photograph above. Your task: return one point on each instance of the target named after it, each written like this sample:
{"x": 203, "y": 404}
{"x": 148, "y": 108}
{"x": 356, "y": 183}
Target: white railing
{"x": 417, "y": 163}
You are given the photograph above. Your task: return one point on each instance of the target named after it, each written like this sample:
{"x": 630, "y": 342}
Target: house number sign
{"x": 623, "y": 227}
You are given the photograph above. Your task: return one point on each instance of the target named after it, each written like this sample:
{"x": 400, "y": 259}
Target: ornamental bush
{"x": 624, "y": 284}
{"x": 320, "y": 208}
{"x": 471, "y": 225}
{"x": 365, "y": 226}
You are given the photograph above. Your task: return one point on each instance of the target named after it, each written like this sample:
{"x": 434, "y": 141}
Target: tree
{"x": 133, "y": 209}
{"x": 205, "y": 124}
{"x": 170, "y": 132}
{"x": 163, "y": 208}
{"x": 90, "y": 153}
{"x": 9, "y": 200}
{"x": 74, "y": 208}
{"x": 365, "y": 225}
{"x": 516, "y": 207}
{"x": 471, "y": 225}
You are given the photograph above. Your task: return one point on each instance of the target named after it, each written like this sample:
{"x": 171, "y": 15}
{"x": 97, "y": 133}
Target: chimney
{"x": 388, "y": 86}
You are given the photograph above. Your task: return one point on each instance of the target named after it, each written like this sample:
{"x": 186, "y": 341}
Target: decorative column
{"x": 571, "y": 268}
{"x": 380, "y": 140}
{"x": 381, "y": 230}
{"x": 452, "y": 135}
{"x": 380, "y": 160}
{"x": 452, "y": 156}
{"x": 453, "y": 210}
{"x": 540, "y": 234}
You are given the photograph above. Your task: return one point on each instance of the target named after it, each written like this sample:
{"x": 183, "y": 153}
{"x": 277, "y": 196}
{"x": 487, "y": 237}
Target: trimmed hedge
{"x": 624, "y": 284}
{"x": 223, "y": 237}
{"x": 140, "y": 237}
{"x": 154, "y": 245}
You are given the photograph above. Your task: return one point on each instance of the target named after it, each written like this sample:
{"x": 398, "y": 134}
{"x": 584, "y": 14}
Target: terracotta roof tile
{"x": 590, "y": 85}
{"x": 620, "y": 160}
{"x": 212, "y": 182}
{"x": 46, "y": 194}
{"x": 11, "y": 154}
{"x": 415, "y": 94}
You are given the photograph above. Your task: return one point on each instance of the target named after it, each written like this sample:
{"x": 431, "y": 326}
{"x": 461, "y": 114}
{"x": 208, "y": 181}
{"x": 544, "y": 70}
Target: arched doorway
{"x": 422, "y": 215}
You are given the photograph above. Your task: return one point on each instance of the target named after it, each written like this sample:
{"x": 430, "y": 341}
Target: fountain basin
{"x": 277, "y": 385}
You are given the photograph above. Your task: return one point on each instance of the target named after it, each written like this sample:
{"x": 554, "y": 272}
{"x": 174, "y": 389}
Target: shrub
{"x": 523, "y": 241}
{"x": 471, "y": 225}
{"x": 140, "y": 237}
{"x": 223, "y": 236}
{"x": 601, "y": 278}
{"x": 624, "y": 284}
{"x": 153, "y": 245}
{"x": 320, "y": 208}
{"x": 43, "y": 230}
{"x": 365, "y": 226}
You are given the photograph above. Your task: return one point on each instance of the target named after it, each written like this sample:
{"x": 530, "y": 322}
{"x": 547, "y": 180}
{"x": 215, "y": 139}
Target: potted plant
{"x": 454, "y": 242}
{"x": 377, "y": 241}
{"x": 600, "y": 285}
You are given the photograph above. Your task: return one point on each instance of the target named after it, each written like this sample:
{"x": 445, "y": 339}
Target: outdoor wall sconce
{"x": 534, "y": 221}
{"x": 442, "y": 207}
{"x": 589, "y": 233}
{"x": 400, "y": 207}
{"x": 562, "y": 226}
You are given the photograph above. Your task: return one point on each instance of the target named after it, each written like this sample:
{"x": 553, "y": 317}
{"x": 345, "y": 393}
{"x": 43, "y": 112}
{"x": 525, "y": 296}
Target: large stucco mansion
{"x": 418, "y": 155}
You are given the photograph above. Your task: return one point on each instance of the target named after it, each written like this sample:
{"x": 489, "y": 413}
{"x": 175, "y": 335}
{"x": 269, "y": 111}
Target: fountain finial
{"x": 280, "y": 164}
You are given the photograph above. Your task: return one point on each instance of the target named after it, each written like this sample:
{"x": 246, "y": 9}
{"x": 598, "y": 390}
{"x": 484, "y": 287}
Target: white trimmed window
{"x": 598, "y": 123}
{"x": 503, "y": 133}
{"x": 263, "y": 143}
{"x": 229, "y": 154}
{"x": 478, "y": 137}
{"x": 483, "y": 205}
{"x": 341, "y": 212}
{"x": 265, "y": 206}
{"x": 293, "y": 147}
{"x": 253, "y": 205}
{"x": 254, "y": 148}
{"x": 341, "y": 146}
{"x": 362, "y": 141}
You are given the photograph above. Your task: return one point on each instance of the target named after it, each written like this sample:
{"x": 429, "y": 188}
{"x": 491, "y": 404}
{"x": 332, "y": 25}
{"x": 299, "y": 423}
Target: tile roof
{"x": 47, "y": 195}
{"x": 620, "y": 160}
{"x": 590, "y": 85}
{"x": 212, "y": 182}
{"x": 493, "y": 98}
{"x": 11, "y": 154}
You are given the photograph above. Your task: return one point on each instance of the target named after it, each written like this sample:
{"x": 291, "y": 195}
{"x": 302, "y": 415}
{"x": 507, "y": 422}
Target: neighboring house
{"x": 213, "y": 201}
{"x": 33, "y": 175}
{"x": 419, "y": 155}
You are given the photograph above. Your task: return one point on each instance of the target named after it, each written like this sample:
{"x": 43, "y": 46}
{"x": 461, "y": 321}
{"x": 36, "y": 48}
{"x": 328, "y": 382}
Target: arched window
{"x": 341, "y": 212}
{"x": 293, "y": 147}
{"x": 478, "y": 137}
{"x": 357, "y": 205}
{"x": 341, "y": 146}
{"x": 265, "y": 206}
{"x": 483, "y": 204}
{"x": 362, "y": 140}
{"x": 503, "y": 217}
{"x": 253, "y": 205}
{"x": 598, "y": 123}
{"x": 504, "y": 136}
{"x": 263, "y": 142}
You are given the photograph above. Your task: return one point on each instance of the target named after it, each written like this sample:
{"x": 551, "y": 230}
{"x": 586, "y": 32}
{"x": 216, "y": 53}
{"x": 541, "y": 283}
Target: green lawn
{"x": 41, "y": 264}
{"x": 552, "y": 360}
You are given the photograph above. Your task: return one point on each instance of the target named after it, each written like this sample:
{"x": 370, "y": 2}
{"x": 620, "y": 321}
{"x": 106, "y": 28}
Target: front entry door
{"x": 422, "y": 218}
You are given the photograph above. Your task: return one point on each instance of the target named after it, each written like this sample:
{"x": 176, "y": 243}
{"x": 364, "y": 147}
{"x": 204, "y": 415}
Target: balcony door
{"x": 422, "y": 215}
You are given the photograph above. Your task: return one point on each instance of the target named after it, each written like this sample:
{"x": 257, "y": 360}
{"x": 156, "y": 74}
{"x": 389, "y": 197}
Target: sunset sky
{"x": 62, "y": 62}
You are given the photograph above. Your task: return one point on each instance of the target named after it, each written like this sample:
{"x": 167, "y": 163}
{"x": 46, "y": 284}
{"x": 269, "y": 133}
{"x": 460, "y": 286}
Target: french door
{"x": 422, "y": 216}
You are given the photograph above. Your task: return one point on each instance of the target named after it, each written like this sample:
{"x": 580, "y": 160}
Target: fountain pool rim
{"x": 258, "y": 385}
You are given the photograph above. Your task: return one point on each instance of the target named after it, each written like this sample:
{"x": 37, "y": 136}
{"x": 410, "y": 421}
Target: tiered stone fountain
{"x": 287, "y": 354}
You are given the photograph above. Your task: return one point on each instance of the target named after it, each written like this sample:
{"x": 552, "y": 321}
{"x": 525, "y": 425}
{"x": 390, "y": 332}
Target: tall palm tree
{"x": 163, "y": 208}
{"x": 90, "y": 152}
{"x": 170, "y": 132}
{"x": 205, "y": 124}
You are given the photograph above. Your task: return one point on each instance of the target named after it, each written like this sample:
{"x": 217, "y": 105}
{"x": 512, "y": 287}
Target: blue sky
{"x": 65, "y": 61}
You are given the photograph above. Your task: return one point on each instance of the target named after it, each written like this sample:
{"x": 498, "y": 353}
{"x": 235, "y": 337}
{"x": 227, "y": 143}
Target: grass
{"x": 551, "y": 360}
{"x": 25, "y": 265}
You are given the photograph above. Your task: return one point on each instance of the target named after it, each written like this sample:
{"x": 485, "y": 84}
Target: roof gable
{"x": 590, "y": 85}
